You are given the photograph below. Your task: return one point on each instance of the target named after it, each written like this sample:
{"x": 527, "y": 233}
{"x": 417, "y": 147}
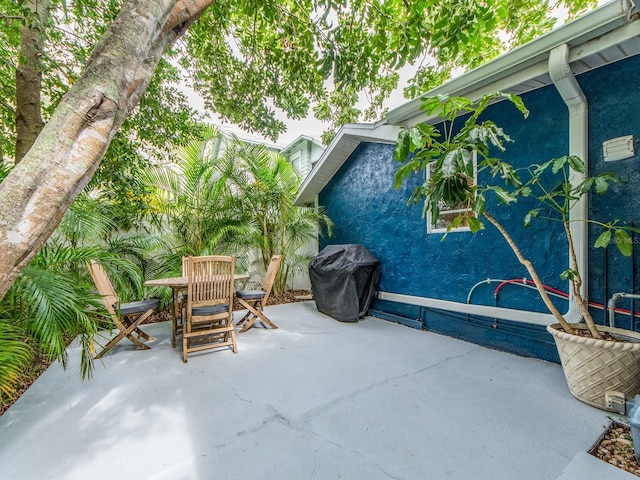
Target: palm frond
{"x": 53, "y": 303}
{"x": 16, "y": 356}
{"x": 86, "y": 220}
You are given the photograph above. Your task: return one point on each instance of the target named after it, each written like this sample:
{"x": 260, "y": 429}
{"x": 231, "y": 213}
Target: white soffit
{"x": 341, "y": 147}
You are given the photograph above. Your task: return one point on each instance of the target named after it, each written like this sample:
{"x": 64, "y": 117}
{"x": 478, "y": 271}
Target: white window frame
{"x": 451, "y": 212}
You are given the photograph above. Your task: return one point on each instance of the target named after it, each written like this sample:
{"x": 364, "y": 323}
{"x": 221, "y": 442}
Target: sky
{"x": 309, "y": 126}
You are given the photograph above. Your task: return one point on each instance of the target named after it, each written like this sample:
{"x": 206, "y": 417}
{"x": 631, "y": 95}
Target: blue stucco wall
{"x": 614, "y": 110}
{"x": 367, "y": 209}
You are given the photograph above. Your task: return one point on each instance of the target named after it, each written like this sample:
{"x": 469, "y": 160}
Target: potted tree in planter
{"x": 595, "y": 359}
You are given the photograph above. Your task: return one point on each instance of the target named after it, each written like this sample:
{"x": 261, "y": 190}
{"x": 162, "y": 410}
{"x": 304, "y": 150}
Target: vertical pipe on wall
{"x": 567, "y": 85}
{"x": 606, "y": 282}
{"x": 633, "y": 280}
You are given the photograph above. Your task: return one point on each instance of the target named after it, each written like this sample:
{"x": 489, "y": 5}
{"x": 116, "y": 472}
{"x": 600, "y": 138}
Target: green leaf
{"x": 576, "y": 164}
{"x": 475, "y": 225}
{"x": 455, "y": 223}
{"x": 455, "y": 160}
{"x": 623, "y": 242}
{"x": 586, "y": 185}
{"x": 602, "y": 185}
{"x": 603, "y": 239}
{"x": 504, "y": 196}
{"x": 416, "y": 139}
{"x": 569, "y": 274}
{"x": 540, "y": 169}
{"x": 402, "y": 146}
{"x": 535, "y": 213}
{"x": 478, "y": 205}
{"x": 517, "y": 101}
{"x": 558, "y": 164}
{"x": 524, "y": 191}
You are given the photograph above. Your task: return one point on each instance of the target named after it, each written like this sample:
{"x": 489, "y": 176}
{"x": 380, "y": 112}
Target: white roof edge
{"x": 302, "y": 137}
{"x": 333, "y": 157}
{"x": 583, "y": 29}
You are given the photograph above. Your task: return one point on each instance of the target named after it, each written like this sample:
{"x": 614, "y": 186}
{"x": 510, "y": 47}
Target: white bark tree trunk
{"x": 35, "y": 196}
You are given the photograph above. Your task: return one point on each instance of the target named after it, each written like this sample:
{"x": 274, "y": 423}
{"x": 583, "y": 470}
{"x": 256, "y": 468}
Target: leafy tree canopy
{"x": 248, "y": 59}
{"x": 163, "y": 118}
{"x": 252, "y": 59}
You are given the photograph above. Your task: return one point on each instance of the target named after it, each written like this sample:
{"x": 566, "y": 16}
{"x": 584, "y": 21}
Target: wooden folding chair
{"x": 125, "y": 317}
{"x": 208, "y": 321}
{"x": 255, "y": 300}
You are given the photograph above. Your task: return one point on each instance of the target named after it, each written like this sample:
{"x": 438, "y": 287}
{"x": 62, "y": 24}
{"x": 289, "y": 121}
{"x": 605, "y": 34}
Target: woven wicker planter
{"x": 593, "y": 367}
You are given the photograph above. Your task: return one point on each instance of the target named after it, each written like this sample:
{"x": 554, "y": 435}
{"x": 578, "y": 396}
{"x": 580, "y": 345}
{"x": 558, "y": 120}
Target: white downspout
{"x": 576, "y": 102}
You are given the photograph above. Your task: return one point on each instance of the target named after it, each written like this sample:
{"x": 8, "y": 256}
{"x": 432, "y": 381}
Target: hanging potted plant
{"x": 595, "y": 359}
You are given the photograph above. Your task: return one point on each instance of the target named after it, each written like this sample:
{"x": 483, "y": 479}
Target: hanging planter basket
{"x": 593, "y": 367}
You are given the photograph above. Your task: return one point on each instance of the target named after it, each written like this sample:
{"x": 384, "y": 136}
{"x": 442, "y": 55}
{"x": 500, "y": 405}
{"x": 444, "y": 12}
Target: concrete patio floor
{"x": 314, "y": 399}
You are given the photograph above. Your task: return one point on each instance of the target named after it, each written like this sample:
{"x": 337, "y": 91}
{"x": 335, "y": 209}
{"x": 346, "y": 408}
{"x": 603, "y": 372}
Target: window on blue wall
{"x": 449, "y": 213}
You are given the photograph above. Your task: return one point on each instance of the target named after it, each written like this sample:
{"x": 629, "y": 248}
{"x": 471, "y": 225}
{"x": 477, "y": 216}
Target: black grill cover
{"x": 344, "y": 279}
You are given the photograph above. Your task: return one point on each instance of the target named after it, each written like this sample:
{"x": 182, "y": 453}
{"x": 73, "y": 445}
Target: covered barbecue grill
{"x": 344, "y": 280}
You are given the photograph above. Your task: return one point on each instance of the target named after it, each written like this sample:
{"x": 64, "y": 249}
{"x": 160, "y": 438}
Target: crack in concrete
{"x": 313, "y": 413}
{"x": 442, "y": 362}
{"x": 275, "y": 417}
{"x": 304, "y": 424}
{"x": 235, "y": 392}
{"x": 388, "y": 474}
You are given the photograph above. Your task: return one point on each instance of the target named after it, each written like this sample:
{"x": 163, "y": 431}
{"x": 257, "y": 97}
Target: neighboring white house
{"x": 303, "y": 153}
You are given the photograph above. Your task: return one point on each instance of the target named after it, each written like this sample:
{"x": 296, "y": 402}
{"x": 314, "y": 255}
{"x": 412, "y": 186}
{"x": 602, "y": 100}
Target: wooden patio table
{"x": 179, "y": 284}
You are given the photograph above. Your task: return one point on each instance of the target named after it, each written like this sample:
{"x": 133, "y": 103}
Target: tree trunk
{"x": 38, "y": 191}
{"x": 29, "y": 121}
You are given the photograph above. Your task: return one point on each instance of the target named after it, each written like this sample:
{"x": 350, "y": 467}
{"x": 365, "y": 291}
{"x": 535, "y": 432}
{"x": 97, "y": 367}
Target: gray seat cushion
{"x": 141, "y": 306}
{"x": 209, "y": 310}
{"x": 250, "y": 294}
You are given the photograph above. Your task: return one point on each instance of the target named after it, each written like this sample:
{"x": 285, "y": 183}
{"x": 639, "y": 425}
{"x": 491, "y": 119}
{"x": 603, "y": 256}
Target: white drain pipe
{"x": 567, "y": 85}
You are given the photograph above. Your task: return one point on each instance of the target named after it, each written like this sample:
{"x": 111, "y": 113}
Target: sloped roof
{"x": 600, "y": 37}
{"x": 299, "y": 139}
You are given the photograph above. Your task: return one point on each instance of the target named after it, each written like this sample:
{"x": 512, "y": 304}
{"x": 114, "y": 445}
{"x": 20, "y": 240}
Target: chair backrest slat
{"x": 185, "y": 266}
{"x": 103, "y": 286}
{"x": 270, "y": 276}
